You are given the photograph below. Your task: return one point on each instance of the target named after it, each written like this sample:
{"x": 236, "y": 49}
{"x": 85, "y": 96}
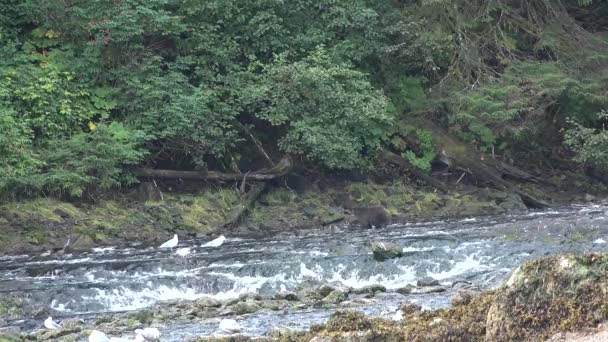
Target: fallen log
{"x": 491, "y": 171}
{"x": 280, "y": 169}
{"x": 396, "y": 159}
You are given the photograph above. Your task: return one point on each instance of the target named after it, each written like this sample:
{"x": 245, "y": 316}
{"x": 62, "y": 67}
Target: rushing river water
{"x": 482, "y": 251}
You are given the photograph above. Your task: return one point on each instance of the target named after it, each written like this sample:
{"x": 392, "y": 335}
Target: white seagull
{"x": 98, "y": 336}
{"x": 50, "y": 324}
{"x": 182, "y": 252}
{"x": 171, "y": 243}
{"x": 150, "y": 334}
{"x": 229, "y": 327}
{"x": 215, "y": 243}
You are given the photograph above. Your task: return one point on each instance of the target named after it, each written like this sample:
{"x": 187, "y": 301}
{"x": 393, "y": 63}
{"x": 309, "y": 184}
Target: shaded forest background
{"x": 90, "y": 91}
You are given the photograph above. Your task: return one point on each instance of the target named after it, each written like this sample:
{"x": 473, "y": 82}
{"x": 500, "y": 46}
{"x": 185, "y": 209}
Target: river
{"x": 481, "y": 251}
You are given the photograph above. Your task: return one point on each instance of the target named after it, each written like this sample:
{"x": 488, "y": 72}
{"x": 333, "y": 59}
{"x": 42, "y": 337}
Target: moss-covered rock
{"x": 563, "y": 293}
{"x": 383, "y": 250}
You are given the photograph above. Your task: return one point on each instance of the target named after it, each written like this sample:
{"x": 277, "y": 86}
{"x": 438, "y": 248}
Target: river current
{"x": 479, "y": 251}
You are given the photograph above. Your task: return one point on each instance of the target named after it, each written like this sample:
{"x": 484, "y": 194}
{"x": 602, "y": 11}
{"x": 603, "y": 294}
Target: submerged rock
{"x": 385, "y": 250}
{"x": 427, "y": 282}
{"x": 371, "y": 290}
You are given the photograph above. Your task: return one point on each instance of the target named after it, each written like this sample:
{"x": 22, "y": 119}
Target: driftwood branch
{"x": 280, "y": 169}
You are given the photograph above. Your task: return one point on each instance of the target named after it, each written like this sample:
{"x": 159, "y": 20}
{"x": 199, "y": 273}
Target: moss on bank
{"x": 43, "y": 224}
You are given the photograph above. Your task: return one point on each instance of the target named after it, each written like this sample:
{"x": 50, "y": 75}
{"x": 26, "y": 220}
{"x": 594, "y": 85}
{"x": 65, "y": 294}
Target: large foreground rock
{"x": 544, "y": 300}
{"x": 542, "y": 297}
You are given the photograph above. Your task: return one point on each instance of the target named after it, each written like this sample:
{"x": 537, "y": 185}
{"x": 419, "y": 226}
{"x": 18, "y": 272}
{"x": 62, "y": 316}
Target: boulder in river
{"x": 385, "y": 250}
{"x": 335, "y": 297}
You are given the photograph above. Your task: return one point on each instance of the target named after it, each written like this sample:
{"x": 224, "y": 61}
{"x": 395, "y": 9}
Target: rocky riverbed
{"x": 284, "y": 284}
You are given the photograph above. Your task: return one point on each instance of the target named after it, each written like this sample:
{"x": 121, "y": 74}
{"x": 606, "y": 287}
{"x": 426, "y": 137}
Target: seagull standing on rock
{"x": 216, "y": 242}
{"x": 50, "y": 324}
{"x": 171, "y": 243}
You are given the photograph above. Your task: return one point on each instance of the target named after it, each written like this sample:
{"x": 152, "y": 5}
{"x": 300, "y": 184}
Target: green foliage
{"x": 422, "y": 160}
{"x": 590, "y": 144}
{"x": 515, "y": 105}
{"x": 331, "y": 113}
{"x": 86, "y": 160}
{"x": 83, "y": 162}
{"x": 172, "y": 82}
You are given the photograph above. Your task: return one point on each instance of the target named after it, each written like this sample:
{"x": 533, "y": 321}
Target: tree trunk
{"x": 282, "y": 168}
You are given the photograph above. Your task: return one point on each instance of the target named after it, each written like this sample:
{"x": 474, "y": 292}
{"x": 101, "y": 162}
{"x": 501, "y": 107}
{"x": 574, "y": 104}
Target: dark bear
{"x": 372, "y": 217}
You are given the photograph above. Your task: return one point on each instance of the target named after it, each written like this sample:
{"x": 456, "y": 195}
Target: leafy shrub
{"x": 330, "y": 112}
{"x": 590, "y": 144}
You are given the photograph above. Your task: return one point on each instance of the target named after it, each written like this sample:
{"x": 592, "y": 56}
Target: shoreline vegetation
{"x": 128, "y": 121}
{"x": 149, "y": 214}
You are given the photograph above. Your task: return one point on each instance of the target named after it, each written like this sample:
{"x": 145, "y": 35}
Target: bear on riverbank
{"x": 372, "y": 217}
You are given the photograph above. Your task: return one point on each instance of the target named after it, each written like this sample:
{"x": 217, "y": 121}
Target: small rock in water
{"x": 386, "y": 250}
{"x": 335, "y": 297}
{"x": 246, "y": 307}
{"x": 208, "y": 302}
{"x": 370, "y": 289}
{"x": 427, "y": 282}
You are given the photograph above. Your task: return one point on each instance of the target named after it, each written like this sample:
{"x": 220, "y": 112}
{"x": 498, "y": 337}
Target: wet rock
{"x": 427, "y": 282}
{"x": 385, "y": 250}
{"x": 407, "y": 289}
{"x": 545, "y": 296}
{"x": 410, "y": 289}
{"x": 324, "y": 290}
{"x": 242, "y": 308}
{"x": 410, "y": 308}
{"x": 463, "y": 297}
{"x": 335, "y": 297}
{"x": 10, "y": 332}
{"x": 590, "y": 198}
{"x": 346, "y": 321}
{"x": 511, "y": 203}
{"x": 289, "y": 296}
{"x": 207, "y": 302}
{"x": 370, "y": 290}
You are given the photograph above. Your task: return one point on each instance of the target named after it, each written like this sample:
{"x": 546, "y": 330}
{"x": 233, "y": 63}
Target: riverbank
{"x": 45, "y": 224}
